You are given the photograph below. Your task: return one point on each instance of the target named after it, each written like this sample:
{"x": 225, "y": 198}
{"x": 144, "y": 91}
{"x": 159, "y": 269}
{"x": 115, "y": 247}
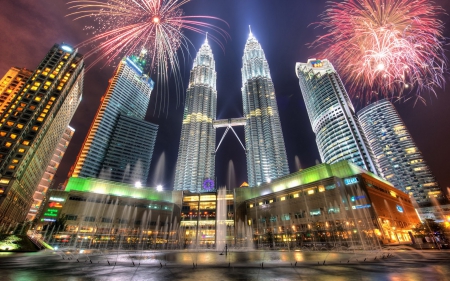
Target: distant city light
{"x": 159, "y": 188}
{"x": 138, "y": 184}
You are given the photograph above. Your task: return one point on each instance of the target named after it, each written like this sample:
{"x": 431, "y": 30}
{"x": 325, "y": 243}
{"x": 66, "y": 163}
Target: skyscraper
{"x": 266, "y": 153}
{"x": 32, "y": 126}
{"x": 196, "y": 154}
{"x": 49, "y": 175}
{"x": 11, "y": 84}
{"x": 332, "y": 116}
{"x": 130, "y": 151}
{"x": 124, "y": 104}
{"x": 398, "y": 157}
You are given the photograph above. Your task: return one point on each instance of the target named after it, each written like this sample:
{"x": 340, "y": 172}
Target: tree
{"x": 269, "y": 238}
{"x": 429, "y": 226}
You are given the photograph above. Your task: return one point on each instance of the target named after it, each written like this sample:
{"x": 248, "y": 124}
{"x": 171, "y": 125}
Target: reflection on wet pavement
{"x": 252, "y": 265}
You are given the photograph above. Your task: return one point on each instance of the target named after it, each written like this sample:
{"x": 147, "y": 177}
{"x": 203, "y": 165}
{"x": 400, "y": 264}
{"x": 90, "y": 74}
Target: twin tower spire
{"x": 265, "y": 150}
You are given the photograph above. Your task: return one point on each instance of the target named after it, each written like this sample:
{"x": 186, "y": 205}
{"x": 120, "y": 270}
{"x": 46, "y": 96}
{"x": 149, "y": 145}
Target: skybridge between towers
{"x": 229, "y": 124}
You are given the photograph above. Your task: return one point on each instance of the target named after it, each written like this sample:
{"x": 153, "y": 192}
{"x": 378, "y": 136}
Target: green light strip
{"x": 118, "y": 189}
{"x": 319, "y": 172}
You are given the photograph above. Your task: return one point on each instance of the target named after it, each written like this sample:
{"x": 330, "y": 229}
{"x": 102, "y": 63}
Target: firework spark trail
{"x": 125, "y": 27}
{"x": 388, "y": 47}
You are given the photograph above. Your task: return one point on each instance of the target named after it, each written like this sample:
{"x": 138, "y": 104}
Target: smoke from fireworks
{"x": 388, "y": 47}
{"x": 125, "y": 27}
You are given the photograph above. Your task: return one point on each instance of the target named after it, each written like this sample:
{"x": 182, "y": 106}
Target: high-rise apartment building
{"x": 196, "y": 154}
{"x": 128, "y": 95}
{"x": 33, "y": 124}
{"x": 266, "y": 153}
{"x": 11, "y": 84}
{"x": 47, "y": 179}
{"x": 332, "y": 116}
{"x": 399, "y": 159}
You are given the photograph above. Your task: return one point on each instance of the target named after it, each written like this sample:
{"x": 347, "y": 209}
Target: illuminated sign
{"x": 317, "y": 63}
{"x": 349, "y": 181}
{"x": 361, "y": 206}
{"x": 354, "y": 198}
{"x": 52, "y": 220}
{"x": 55, "y": 205}
{"x": 51, "y": 213}
{"x": 57, "y": 199}
{"x": 66, "y": 48}
{"x": 399, "y": 209}
{"x": 208, "y": 185}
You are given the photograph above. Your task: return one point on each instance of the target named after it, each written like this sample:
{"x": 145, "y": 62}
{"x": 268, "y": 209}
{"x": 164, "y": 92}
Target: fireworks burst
{"x": 388, "y": 47}
{"x": 125, "y": 27}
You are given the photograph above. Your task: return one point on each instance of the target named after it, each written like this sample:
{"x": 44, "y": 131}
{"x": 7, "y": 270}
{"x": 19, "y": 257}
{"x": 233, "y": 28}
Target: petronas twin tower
{"x": 265, "y": 150}
{"x": 198, "y": 137}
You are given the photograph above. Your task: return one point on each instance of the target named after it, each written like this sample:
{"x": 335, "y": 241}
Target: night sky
{"x": 28, "y": 29}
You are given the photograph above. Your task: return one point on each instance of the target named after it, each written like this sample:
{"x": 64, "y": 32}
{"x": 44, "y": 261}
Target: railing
{"x": 35, "y": 238}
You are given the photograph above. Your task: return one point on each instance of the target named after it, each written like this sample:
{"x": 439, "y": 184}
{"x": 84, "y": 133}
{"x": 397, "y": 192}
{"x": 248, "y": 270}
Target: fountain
{"x": 221, "y": 217}
{"x": 244, "y": 235}
{"x": 136, "y": 174}
{"x": 105, "y": 173}
{"x": 126, "y": 173}
{"x": 231, "y": 175}
{"x": 298, "y": 221}
{"x": 158, "y": 174}
{"x": 298, "y": 166}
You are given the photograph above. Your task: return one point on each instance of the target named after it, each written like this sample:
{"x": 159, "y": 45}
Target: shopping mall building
{"x": 325, "y": 206}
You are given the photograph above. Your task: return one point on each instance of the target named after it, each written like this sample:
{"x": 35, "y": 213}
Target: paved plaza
{"x": 252, "y": 265}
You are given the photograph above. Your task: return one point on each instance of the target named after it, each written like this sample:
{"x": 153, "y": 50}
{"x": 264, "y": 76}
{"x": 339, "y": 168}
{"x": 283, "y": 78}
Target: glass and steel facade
{"x": 332, "y": 116}
{"x": 196, "y": 154}
{"x": 399, "y": 159}
{"x": 106, "y": 214}
{"x": 130, "y": 151}
{"x": 327, "y": 207}
{"x": 266, "y": 153}
{"x": 128, "y": 94}
{"x": 33, "y": 124}
{"x": 200, "y": 219}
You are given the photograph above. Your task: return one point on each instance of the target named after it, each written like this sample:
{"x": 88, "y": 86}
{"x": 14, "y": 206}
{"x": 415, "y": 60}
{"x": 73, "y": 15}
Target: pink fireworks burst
{"x": 124, "y": 27}
{"x": 392, "y": 48}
